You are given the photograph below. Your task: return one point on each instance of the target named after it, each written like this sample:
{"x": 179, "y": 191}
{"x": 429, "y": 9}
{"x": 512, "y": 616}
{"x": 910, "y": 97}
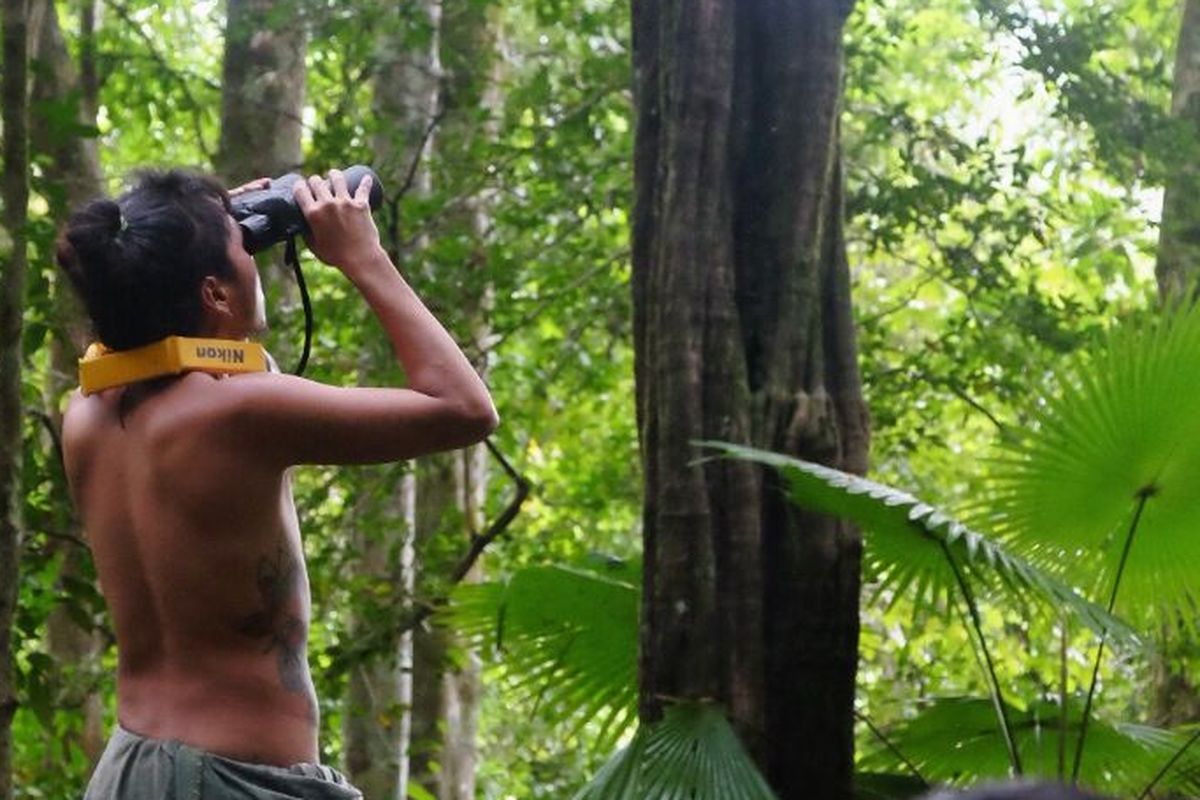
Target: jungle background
{"x": 1004, "y": 184}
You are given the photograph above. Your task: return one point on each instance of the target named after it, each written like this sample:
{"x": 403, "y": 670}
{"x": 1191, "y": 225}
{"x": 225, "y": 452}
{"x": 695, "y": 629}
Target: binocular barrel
{"x": 269, "y": 216}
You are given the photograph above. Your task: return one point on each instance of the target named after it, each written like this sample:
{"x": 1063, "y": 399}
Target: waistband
{"x": 198, "y": 773}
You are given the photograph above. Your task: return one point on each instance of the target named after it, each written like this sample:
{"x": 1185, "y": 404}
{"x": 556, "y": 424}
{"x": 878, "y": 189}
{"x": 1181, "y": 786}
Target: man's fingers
{"x": 304, "y": 196}
{"x": 337, "y": 180}
{"x": 320, "y": 188}
{"x": 363, "y": 193}
{"x": 252, "y": 186}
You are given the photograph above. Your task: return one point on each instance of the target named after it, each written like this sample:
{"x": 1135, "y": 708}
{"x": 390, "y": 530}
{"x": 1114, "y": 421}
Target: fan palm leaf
{"x": 691, "y": 754}
{"x": 568, "y": 640}
{"x": 954, "y": 740}
{"x": 1121, "y": 437}
{"x": 913, "y": 548}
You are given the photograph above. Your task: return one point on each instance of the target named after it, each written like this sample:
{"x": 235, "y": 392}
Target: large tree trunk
{"x": 73, "y": 177}
{"x": 14, "y": 107}
{"x": 1178, "y": 266}
{"x": 743, "y": 332}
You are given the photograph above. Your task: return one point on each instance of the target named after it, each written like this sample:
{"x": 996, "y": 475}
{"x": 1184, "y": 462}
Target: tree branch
{"x": 410, "y": 177}
{"x": 66, "y": 537}
{"x": 55, "y": 437}
{"x": 863, "y": 718}
{"x": 479, "y": 542}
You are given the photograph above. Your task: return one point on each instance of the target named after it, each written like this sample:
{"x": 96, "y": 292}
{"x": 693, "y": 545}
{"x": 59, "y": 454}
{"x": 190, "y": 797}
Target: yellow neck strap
{"x": 101, "y": 368}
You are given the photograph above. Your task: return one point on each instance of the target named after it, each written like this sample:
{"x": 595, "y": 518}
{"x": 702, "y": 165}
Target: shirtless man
{"x": 182, "y": 483}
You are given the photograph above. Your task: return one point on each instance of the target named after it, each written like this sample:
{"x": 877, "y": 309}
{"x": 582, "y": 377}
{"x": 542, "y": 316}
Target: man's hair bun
{"x": 86, "y": 248}
{"x": 138, "y": 261}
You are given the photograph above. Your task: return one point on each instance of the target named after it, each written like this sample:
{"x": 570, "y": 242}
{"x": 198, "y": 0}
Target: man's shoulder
{"x": 207, "y": 403}
{"x": 194, "y": 401}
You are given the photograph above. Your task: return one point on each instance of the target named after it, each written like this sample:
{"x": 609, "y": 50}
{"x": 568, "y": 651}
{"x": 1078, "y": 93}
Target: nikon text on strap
{"x": 103, "y": 369}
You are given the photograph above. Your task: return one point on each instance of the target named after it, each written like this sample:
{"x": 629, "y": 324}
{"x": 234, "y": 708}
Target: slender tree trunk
{"x": 14, "y": 258}
{"x": 378, "y": 692}
{"x": 89, "y": 77}
{"x": 1178, "y": 266}
{"x": 262, "y": 96}
{"x": 262, "y": 101}
{"x": 1174, "y": 697}
{"x": 427, "y": 718}
{"x": 446, "y": 707}
{"x": 73, "y": 175}
{"x": 460, "y": 687}
{"x": 74, "y": 163}
{"x": 405, "y": 105}
{"x": 743, "y": 332}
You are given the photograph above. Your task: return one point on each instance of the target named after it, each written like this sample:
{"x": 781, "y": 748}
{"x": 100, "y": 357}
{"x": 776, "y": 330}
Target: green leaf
{"x": 417, "y": 792}
{"x": 1122, "y": 427}
{"x": 568, "y": 639}
{"x": 691, "y": 754}
{"x": 955, "y": 740}
{"x": 909, "y": 543}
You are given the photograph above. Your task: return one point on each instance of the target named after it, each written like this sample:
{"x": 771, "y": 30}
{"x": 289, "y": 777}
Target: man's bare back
{"x": 184, "y": 494}
{"x": 198, "y": 553}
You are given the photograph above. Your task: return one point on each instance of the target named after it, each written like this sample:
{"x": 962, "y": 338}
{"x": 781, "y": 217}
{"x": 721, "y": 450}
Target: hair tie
{"x": 124, "y": 222}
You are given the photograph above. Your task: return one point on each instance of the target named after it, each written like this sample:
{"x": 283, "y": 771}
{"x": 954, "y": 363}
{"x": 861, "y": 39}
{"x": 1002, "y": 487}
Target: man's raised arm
{"x": 445, "y": 406}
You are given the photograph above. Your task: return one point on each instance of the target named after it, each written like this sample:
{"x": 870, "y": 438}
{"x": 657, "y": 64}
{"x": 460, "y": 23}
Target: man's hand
{"x": 342, "y": 231}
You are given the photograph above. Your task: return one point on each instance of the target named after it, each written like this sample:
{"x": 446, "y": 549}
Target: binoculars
{"x": 269, "y": 216}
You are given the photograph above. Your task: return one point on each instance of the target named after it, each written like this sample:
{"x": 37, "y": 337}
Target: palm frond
{"x": 567, "y": 638}
{"x": 955, "y": 740}
{"x": 908, "y": 543}
{"x": 1123, "y": 426}
{"x": 691, "y": 754}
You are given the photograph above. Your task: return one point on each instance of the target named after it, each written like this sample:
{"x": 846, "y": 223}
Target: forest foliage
{"x": 1005, "y": 165}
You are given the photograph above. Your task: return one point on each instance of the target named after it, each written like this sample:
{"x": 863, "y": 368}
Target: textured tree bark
{"x": 1178, "y": 265}
{"x": 435, "y": 488}
{"x": 460, "y": 685}
{"x": 14, "y": 106}
{"x": 262, "y": 94}
{"x": 743, "y": 332}
{"x": 376, "y": 697}
{"x": 72, "y": 166}
{"x": 74, "y": 163}
{"x": 1174, "y": 700}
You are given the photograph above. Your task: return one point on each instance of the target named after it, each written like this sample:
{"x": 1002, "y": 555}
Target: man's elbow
{"x": 481, "y": 420}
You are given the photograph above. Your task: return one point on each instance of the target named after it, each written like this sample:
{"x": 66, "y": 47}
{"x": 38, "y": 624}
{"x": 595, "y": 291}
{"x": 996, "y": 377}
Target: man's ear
{"x": 214, "y": 296}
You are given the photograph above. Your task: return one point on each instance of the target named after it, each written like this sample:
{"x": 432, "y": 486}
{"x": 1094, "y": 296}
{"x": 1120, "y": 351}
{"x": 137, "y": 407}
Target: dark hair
{"x": 138, "y": 262}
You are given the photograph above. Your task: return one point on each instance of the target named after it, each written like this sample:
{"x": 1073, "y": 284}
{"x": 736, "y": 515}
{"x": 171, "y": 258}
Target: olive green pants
{"x": 134, "y": 767}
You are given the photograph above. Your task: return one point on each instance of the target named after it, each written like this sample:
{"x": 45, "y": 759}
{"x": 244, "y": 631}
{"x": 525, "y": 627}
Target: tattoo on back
{"x": 278, "y": 622}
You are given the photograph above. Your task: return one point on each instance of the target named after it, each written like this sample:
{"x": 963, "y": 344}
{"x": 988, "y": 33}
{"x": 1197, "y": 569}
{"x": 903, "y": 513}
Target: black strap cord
{"x": 291, "y": 257}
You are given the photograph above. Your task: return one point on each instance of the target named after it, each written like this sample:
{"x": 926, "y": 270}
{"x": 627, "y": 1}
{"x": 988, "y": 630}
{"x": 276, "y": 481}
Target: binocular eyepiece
{"x": 269, "y": 216}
